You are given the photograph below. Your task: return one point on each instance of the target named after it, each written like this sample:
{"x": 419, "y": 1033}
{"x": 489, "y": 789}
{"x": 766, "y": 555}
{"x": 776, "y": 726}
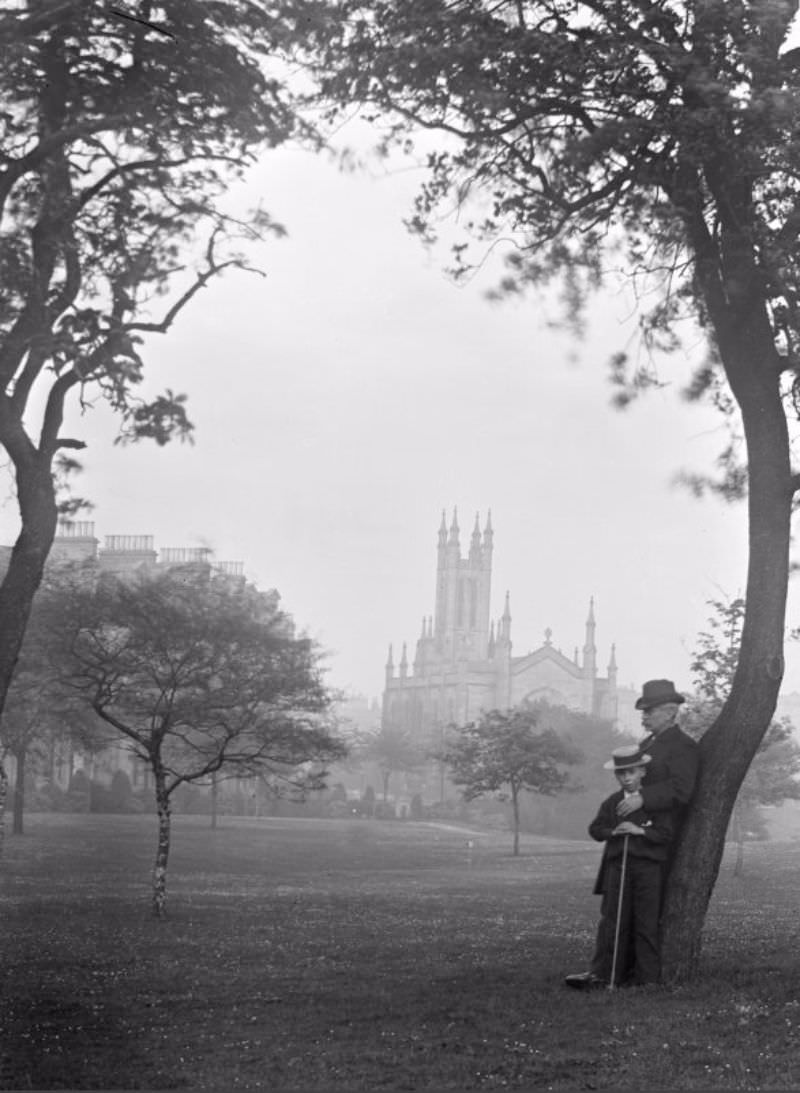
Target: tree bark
{"x": 162, "y": 849}
{"x": 19, "y": 792}
{"x": 753, "y": 370}
{"x": 738, "y": 834}
{"x": 37, "y": 504}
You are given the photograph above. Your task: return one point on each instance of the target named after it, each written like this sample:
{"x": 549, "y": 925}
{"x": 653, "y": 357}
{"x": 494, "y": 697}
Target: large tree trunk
{"x": 737, "y": 830}
{"x": 162, "y": 850}
{"x": 37, "y": 505}
{"x": 752, "y": 366}
{"x": 19, "y": 791}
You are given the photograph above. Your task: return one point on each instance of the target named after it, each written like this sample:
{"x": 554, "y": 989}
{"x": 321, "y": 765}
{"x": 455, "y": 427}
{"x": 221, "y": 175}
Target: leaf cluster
{"x": 393, "y": 748}
{"x": 198, "y": 672}
{"x": 121, "y": 131}
{"x": 504, "y": 749}
{"x": 658, "y": 142}
{"x": 774, "y": 773}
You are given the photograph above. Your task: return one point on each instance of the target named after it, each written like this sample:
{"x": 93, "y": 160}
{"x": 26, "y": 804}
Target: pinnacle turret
{"x": 589, "y": 648}
{"x": 475, "y": 542}
{"x": 443, "y": 532}
{"x": 453, "y": 540}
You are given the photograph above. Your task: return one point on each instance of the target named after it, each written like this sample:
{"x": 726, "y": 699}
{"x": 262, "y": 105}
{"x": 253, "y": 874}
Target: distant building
{"x": 75, "y": 542}
{"x": 463, "y": 662}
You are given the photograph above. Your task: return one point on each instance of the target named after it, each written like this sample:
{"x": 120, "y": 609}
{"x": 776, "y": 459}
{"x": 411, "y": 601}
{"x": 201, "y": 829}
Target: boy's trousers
{"x": 638, "y": 958}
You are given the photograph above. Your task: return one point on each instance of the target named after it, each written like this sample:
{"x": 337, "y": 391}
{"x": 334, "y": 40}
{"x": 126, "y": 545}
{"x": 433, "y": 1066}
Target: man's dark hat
{"x": 658, "y": 692}
{"x": 626, "y": 757}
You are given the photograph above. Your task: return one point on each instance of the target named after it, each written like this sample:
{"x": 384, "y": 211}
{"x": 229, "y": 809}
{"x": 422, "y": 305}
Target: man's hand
{"x": 629, "y": 804}
{"x": 628, "y": 828}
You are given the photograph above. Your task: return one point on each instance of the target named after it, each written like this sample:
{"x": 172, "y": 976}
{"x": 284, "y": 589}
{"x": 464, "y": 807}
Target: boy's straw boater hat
{"x": 626, "y": 757}
{"x": 658, "y": 692}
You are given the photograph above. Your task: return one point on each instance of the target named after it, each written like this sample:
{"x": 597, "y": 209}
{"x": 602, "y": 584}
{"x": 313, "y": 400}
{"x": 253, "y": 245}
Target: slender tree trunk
{"x": 726, "y": 750}
{"x": 162, "y": 850}
{"x": 214, "y": 801}
{"x": 515, "y": 815}
{"x": 3, "y": 796}
{"x": 19, "y": 792}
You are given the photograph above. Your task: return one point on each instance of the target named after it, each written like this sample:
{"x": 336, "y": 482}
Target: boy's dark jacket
{"x": 659, "y": 828}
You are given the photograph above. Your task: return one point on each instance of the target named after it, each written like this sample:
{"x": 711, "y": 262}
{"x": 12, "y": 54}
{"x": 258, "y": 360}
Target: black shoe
{"x": 585, "y": 981}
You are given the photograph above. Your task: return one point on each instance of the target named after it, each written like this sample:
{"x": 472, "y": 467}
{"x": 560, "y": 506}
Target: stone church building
{"x": 463, "y": 663}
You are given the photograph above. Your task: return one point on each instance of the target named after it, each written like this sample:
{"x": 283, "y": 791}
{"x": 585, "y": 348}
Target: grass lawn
{"x": 306, "y": 955}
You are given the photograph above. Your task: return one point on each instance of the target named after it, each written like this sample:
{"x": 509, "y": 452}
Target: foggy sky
{"x": 345, "y": 400}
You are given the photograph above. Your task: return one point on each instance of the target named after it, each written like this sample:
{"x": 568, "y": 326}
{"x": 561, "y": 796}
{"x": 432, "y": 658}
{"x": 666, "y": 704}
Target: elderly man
{"x": 672, "y": 771}
{"x": 666, "y": 787}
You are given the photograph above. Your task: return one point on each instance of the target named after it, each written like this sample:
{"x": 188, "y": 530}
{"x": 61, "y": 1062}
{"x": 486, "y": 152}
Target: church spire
{"x": 443, "y": 532}
{"x": 475, "y": 542}
{"x": 589, "y": 648}
{"x": 488, "y": 535}
{"x": 612, "y": 665}
{"x": 453, "y": 540}
{"x": 505, "y": 622}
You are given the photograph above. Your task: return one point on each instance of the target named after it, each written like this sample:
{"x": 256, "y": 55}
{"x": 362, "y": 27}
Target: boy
{"x": 648, "y": 835}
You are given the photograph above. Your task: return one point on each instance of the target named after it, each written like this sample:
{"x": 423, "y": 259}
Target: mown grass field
{"x": 309, "y": 955}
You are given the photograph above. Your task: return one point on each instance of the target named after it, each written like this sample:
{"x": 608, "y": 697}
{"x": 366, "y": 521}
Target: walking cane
{"x": 612, "y": 984}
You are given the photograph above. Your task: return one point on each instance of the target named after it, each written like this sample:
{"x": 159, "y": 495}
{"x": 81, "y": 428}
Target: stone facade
{"x": 463, "y": 663}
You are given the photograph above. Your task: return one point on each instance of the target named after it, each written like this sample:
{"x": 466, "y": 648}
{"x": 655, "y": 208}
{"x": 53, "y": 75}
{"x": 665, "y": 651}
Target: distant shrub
{"x": 338, "y": 810}
{"x": 79, "y": 782}
{"x": 446, "y": 810}
{"x": 78, "y": 795}
{"x": 121, "y": 792}
{"x": 384, "y": 810}
{"x": 47, "y": 797}
{"x": 367, "y": 803}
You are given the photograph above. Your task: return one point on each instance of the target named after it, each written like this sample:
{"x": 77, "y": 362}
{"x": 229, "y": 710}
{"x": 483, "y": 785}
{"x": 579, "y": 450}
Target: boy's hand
{"x": 628, "y": 828}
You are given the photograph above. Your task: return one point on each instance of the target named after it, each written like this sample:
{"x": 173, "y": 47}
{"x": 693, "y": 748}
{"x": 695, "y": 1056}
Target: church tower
{"x": 463, "y": 663}
{"x": 463, "y": 592}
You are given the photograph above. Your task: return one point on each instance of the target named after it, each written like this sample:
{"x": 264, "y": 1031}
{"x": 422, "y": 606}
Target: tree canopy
{"x": 774, "y": 773}
{"x": 121, "y": 132}
{"x": 394, "y": 751}
{"x": 198, "y": 674}
{"x": 502, "y": 752}
{"x": 658, "y": 141}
